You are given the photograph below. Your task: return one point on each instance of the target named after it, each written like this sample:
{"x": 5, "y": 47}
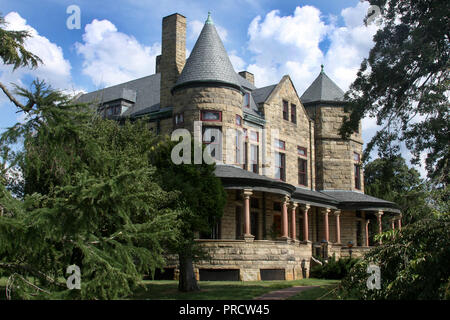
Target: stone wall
{"x": 294, "y": 134}
{"x": 334, "y": 156}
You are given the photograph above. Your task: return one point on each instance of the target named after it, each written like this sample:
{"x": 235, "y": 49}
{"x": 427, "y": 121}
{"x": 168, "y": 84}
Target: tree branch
{"x": 11, "y": 97}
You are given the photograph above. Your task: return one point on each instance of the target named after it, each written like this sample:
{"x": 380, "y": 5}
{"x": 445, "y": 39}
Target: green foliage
{"x": 392, "y": 180}
{"x": 414, "y": 264}
{"x": 404, "y": 83}
{"x": 12, "y": 50}
{"x": 201, "y": 203}
{"x": 333, "y": 269}
{"x": 90, "y": 198}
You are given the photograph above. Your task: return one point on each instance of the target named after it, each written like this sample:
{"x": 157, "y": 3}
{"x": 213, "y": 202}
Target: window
{"x": 280, "y": 144}
{"x": 254, "y": 203}
{"x": 280, "y": 166}
{"x": 247, "y": 100}
{"x": 246, "y": 156}
{"x": 285, "y": 110}
{"x": 302, "y": 151}
{"x": 239, "y": 144}
{"x": 117, "y": 109}
{"x": 357, "y": 176}
{"x": 302, "y": 172}
{"x": 357, "y": 170}
{"x": 254, "y": 136}
{"x": 276, "y": 206}
{"x": 208, "y": 115}
{"x": 238, "y": 120}
{"x": 179, "y": 119}
{"x": 254, "y": 158}
{"x": 293, "y": 113}
{"x": 212, "y": 136}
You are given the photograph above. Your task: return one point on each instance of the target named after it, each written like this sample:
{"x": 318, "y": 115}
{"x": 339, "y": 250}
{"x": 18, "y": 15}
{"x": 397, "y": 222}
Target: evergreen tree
{"x": 201, "y": 202}
{"x": 89, "y": 199}
{"x": 404, "y": 82}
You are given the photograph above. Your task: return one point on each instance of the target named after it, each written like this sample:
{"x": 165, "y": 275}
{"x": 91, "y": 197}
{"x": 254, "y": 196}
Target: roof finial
{"x": 321, "y": 68}
{"x": 209, "y": 20}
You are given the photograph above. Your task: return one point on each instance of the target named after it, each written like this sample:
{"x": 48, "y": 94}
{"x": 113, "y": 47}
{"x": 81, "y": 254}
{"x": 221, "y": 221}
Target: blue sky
{"x": 119, "y": 40}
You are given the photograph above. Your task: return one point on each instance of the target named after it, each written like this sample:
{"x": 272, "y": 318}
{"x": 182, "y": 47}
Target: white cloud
{"x": 237, "y": 62}
{"x": 287, "y": 45}
{"x": 111, "y": 57}
{"x": 290, "y": 45}
{"x": 55, "y": 70}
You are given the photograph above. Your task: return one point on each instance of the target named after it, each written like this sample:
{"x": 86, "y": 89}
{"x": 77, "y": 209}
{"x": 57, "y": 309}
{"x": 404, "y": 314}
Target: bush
{"x": 333, "y": 269}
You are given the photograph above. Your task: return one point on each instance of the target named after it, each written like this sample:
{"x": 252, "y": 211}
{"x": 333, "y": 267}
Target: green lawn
{"x": 324, "y": 292}
{"x": 219, "y": 290}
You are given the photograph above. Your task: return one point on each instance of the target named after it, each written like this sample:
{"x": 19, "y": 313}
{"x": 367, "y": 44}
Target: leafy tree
{"x": 404, "y": 82}
{"x": 413, "y": 264}
{"x": 201, "y": 202}
{"x": 391, "y": 179}
{"x": 89, "y": 198}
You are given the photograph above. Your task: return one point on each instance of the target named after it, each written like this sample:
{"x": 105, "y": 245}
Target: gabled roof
{"x": 323, "y": 89}
{"x": 260, "y": 95}
{"x": 208, "y": 61}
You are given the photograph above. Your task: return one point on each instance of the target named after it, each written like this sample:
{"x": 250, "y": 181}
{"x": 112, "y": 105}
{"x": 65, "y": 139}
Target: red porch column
{"x": 399, "y": 222}
{"x": 247, "y": 194}
{"x": 325, "y": 221}
{"x": 367, "y": 232}
{"x": 284, "y": 219}
{"x": 380, "y": 227}
{"x": 293, "y": 224}
{"x": 337, "y": 213}
{"x": 305, "y": 209}
{"x": 393, "y": 224}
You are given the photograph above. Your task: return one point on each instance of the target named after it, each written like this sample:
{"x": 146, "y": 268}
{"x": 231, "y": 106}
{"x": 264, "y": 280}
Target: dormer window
{"x": 247, "y": 100}
{"x": 209, "y": 115}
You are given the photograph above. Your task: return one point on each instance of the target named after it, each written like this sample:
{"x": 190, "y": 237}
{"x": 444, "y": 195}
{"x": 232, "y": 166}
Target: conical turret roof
{"x": 208, "y": 61}
{"x": 323, "y": 89}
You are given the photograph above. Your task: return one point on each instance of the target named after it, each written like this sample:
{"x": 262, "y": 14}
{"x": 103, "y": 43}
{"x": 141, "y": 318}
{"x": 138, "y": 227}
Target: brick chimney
{"x": 248, "y": 76}
{"x": 173, "y": 54}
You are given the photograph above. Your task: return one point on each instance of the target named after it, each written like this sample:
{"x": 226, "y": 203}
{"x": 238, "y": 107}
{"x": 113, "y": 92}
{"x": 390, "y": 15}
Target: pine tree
{"x": 90, "y": 198}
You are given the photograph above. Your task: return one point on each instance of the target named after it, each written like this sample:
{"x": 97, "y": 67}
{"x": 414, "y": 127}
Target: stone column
{"x": 247, "y": 227}
{"x": 367, "y": 232}
{"x": 293, "y": 224}
{"x": 305, "y": 209}
{"x": 337, "y": 213}
{"x": 284, "y": 219}
{"x": 326, "y": 226}
{"x": 380, "y": 227}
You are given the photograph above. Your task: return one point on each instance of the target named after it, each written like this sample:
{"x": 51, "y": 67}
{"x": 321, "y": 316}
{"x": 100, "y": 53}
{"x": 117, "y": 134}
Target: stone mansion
{"x": 295, "y": 195}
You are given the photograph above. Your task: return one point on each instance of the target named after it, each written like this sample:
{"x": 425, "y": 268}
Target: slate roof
{"x": 234, "y": 177}
{"x": 145, "y": 92}
{"x": 208, "y": 61}
{"x": 323, "y": 89}
{"x": 261, "y": 94}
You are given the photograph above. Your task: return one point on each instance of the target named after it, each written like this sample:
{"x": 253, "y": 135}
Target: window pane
{"x": 211, "y": 115}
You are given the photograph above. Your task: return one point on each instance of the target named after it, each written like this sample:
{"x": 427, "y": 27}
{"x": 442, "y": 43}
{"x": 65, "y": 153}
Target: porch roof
{"x": 234, "y": 177}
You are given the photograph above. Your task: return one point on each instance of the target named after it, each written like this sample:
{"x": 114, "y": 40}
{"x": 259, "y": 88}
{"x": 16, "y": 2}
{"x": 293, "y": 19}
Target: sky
{"x": 118, "y": 41}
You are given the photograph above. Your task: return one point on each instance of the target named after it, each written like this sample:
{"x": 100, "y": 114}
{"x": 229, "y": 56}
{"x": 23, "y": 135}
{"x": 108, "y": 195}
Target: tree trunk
{"x": 187, "y": 281}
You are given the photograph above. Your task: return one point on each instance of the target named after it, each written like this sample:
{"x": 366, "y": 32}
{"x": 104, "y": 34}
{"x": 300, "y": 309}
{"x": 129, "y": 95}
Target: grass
{"x": 324, "y": 292}
{"x": 219, "y": 290}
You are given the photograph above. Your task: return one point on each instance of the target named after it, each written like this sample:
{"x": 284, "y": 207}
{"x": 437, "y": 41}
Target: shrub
{"x": 333, "y": 269}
